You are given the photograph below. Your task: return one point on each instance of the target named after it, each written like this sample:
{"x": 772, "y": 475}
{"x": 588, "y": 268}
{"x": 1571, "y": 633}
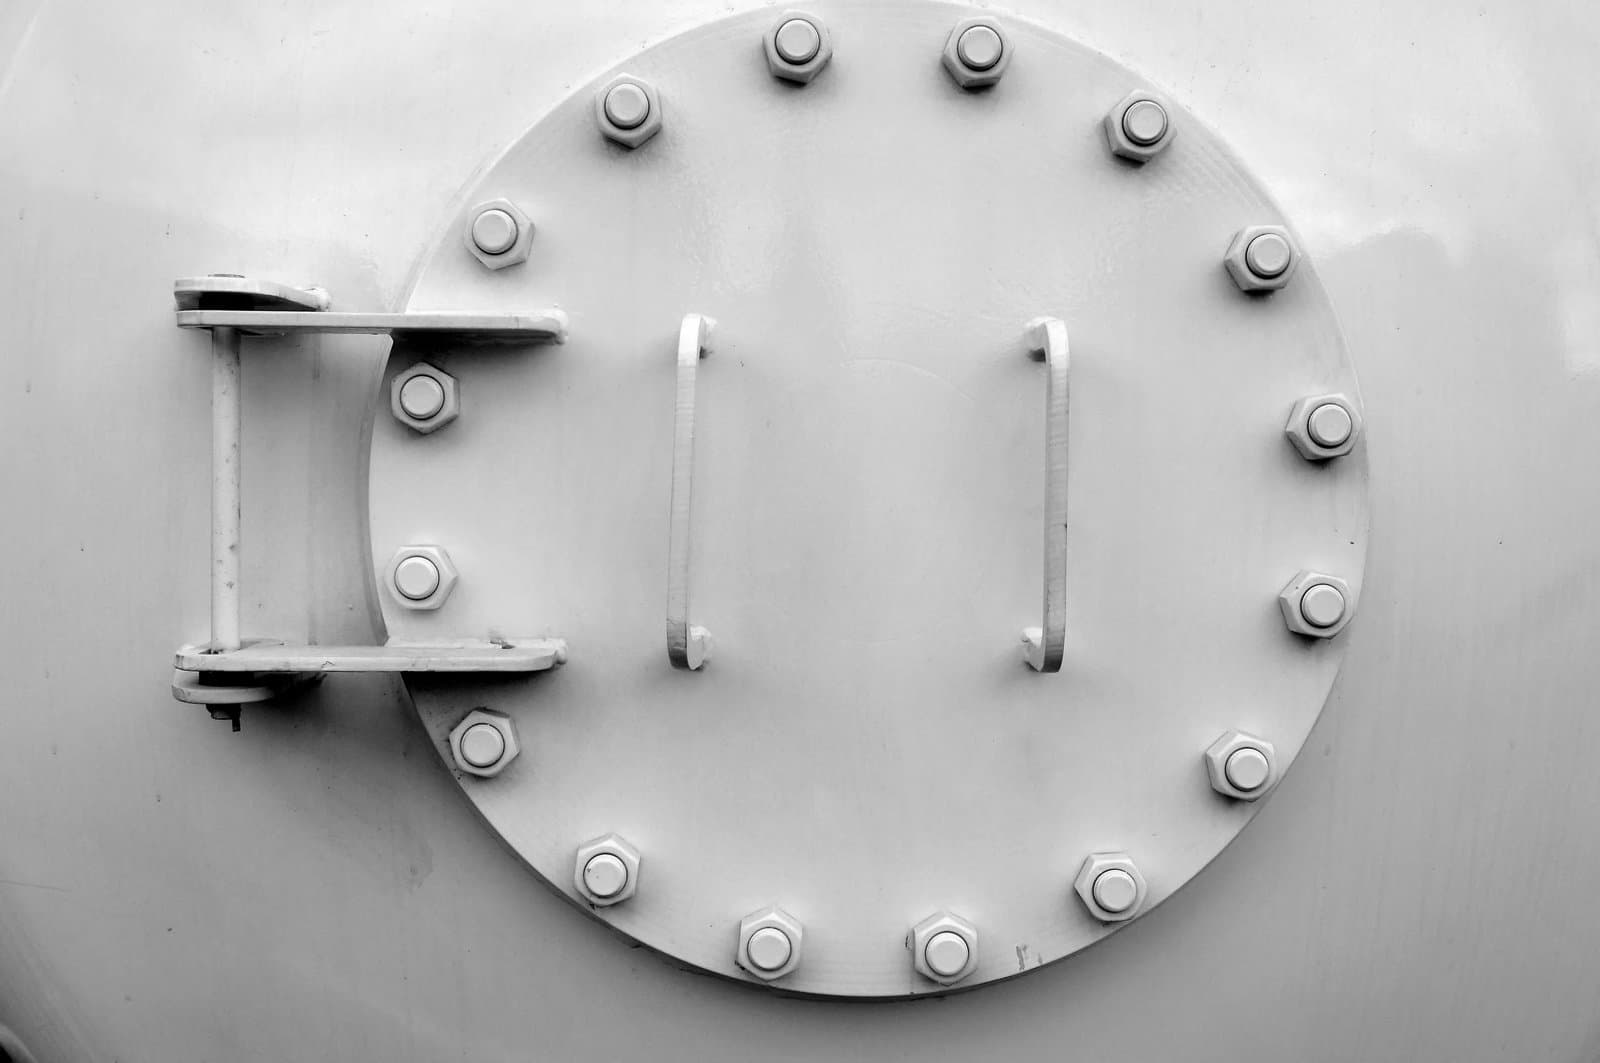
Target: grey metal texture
{"x": 867, "y": 745}
{"x": 1420, "y": 886}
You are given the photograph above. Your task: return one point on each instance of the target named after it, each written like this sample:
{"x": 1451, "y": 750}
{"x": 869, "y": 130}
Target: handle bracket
{"x": 231, "y": 671}
{"x": 688, "y": 645}
{"x": 1044, "y": 646}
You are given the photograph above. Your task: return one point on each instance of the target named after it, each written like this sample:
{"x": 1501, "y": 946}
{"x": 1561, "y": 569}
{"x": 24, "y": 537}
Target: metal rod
{"x": 1044, "y": 646}
{"x": 688, "y": 645}
{"x": 225, "y": 492}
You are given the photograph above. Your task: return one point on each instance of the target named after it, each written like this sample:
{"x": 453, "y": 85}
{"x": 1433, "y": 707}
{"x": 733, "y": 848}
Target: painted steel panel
{"x": 316, "y": 887}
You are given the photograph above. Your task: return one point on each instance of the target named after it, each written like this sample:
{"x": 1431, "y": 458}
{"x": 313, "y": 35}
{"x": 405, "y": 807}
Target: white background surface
{"x": 315, "y": 887}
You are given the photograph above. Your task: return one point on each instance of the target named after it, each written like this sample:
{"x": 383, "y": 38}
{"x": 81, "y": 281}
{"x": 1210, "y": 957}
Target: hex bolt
{"x": 944, "y": 948}
{"x": 416, "y": 578}
{"x": 606, "y": 871}
{"x": 1329, "y": 425}
{"x": 1246, "y": 769}
{"x": 483, "y": 743}
{"x": 1145, "y": 122}
{"x": 494, "y": 231}
{"x": 1240, "y": 766}
{"x": 1261, "y": 258}
{"x": 498, "y": 233}
{"x": 1111, "y": 886}
{"x": 421, "y": 577}
{"x": 628, "y": 111}
{"x": 1316, "y": 605}
{"x": 424, "y": 398}
{"x": 627, "y": 106}
{"x": 1267, "y": 255}
{"x": 1322, "y": 427}
{"x": 947, "y": 953}
{"x": 1322, "y": 605}
{"x": 797, "y": 41}
{"x": 1139, "y": 127}
{"x": 976, "y": 53}
{"x": 1115, "y": 890}
{"x": 770, "y": 942}
{"x": 769, "y": 948}
{"x": 605, "y": 875}
{"x": 797, "y": 47}
{"x": 979, "y": 48}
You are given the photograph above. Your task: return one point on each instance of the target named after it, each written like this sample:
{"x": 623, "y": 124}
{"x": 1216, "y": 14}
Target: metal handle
{"x": 688, "y": 645}
{"x": 1043, "y": 646}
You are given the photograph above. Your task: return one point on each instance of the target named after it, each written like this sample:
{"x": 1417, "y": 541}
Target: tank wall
{"x": 317, "y": 887}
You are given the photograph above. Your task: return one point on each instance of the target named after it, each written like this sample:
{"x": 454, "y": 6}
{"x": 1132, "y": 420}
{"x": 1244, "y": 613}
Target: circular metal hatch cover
{"x": 866, "y": 749}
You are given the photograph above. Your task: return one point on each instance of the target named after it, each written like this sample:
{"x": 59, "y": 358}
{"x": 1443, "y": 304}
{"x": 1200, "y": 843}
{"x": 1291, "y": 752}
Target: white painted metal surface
{"x": 878, "y": 500}
{"x": 315, "y": 886}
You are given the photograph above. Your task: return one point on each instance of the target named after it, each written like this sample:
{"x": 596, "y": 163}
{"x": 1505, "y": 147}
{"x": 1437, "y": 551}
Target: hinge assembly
{"x": 229, "y": 671}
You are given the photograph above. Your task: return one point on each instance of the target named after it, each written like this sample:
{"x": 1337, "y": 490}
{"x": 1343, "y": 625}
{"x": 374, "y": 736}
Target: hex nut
{"x": 1298, "y": 428}
{"x": 801, "y": 73}
{"x": 1124, "y": 146}
{"x": 611, "y": 845}
{"x": 775, "y": 919}
{"x": 1240, "y": 271}
{"x": 628, "y": 138}
{"x": 1216, "y": 762}
{"x": 518, "y": 251}
{"x": 1097, "y": 864}
{"x": 938, "y": 923}
{"x": 500, "y": 722}
{"x": 449, "y": 411}
{"x": 1290, "y": 597}
{"x": 970, "y": 77}
{"x": 440, "y": 560}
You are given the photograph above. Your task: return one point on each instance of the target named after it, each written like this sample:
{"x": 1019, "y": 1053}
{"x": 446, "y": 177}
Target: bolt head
{"x": 1140, "y": 127}
{"x": 1111, "y": 886}
{"x": 944, "y": 948}
{"x": 415, "y": 390}
{"x": 1316, "y": 423}
{"x": 628, "y": 110}
{"x": 1275, "y": 254}
{"x": 498, "y": 223}
{"x": 482, "y": 745}
{"x": 1309, "y": 609}
{"x": 763, "y": 936}
{"x": 981, "y": 41}
{"x": 407, "y": 577}
{"x": 797, "y": 47}
{"x": 606, "y": 871}
{"x": 466, "y": 743}
{"x": 416, "y": 578}
{"x": 1236, "y": 760}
